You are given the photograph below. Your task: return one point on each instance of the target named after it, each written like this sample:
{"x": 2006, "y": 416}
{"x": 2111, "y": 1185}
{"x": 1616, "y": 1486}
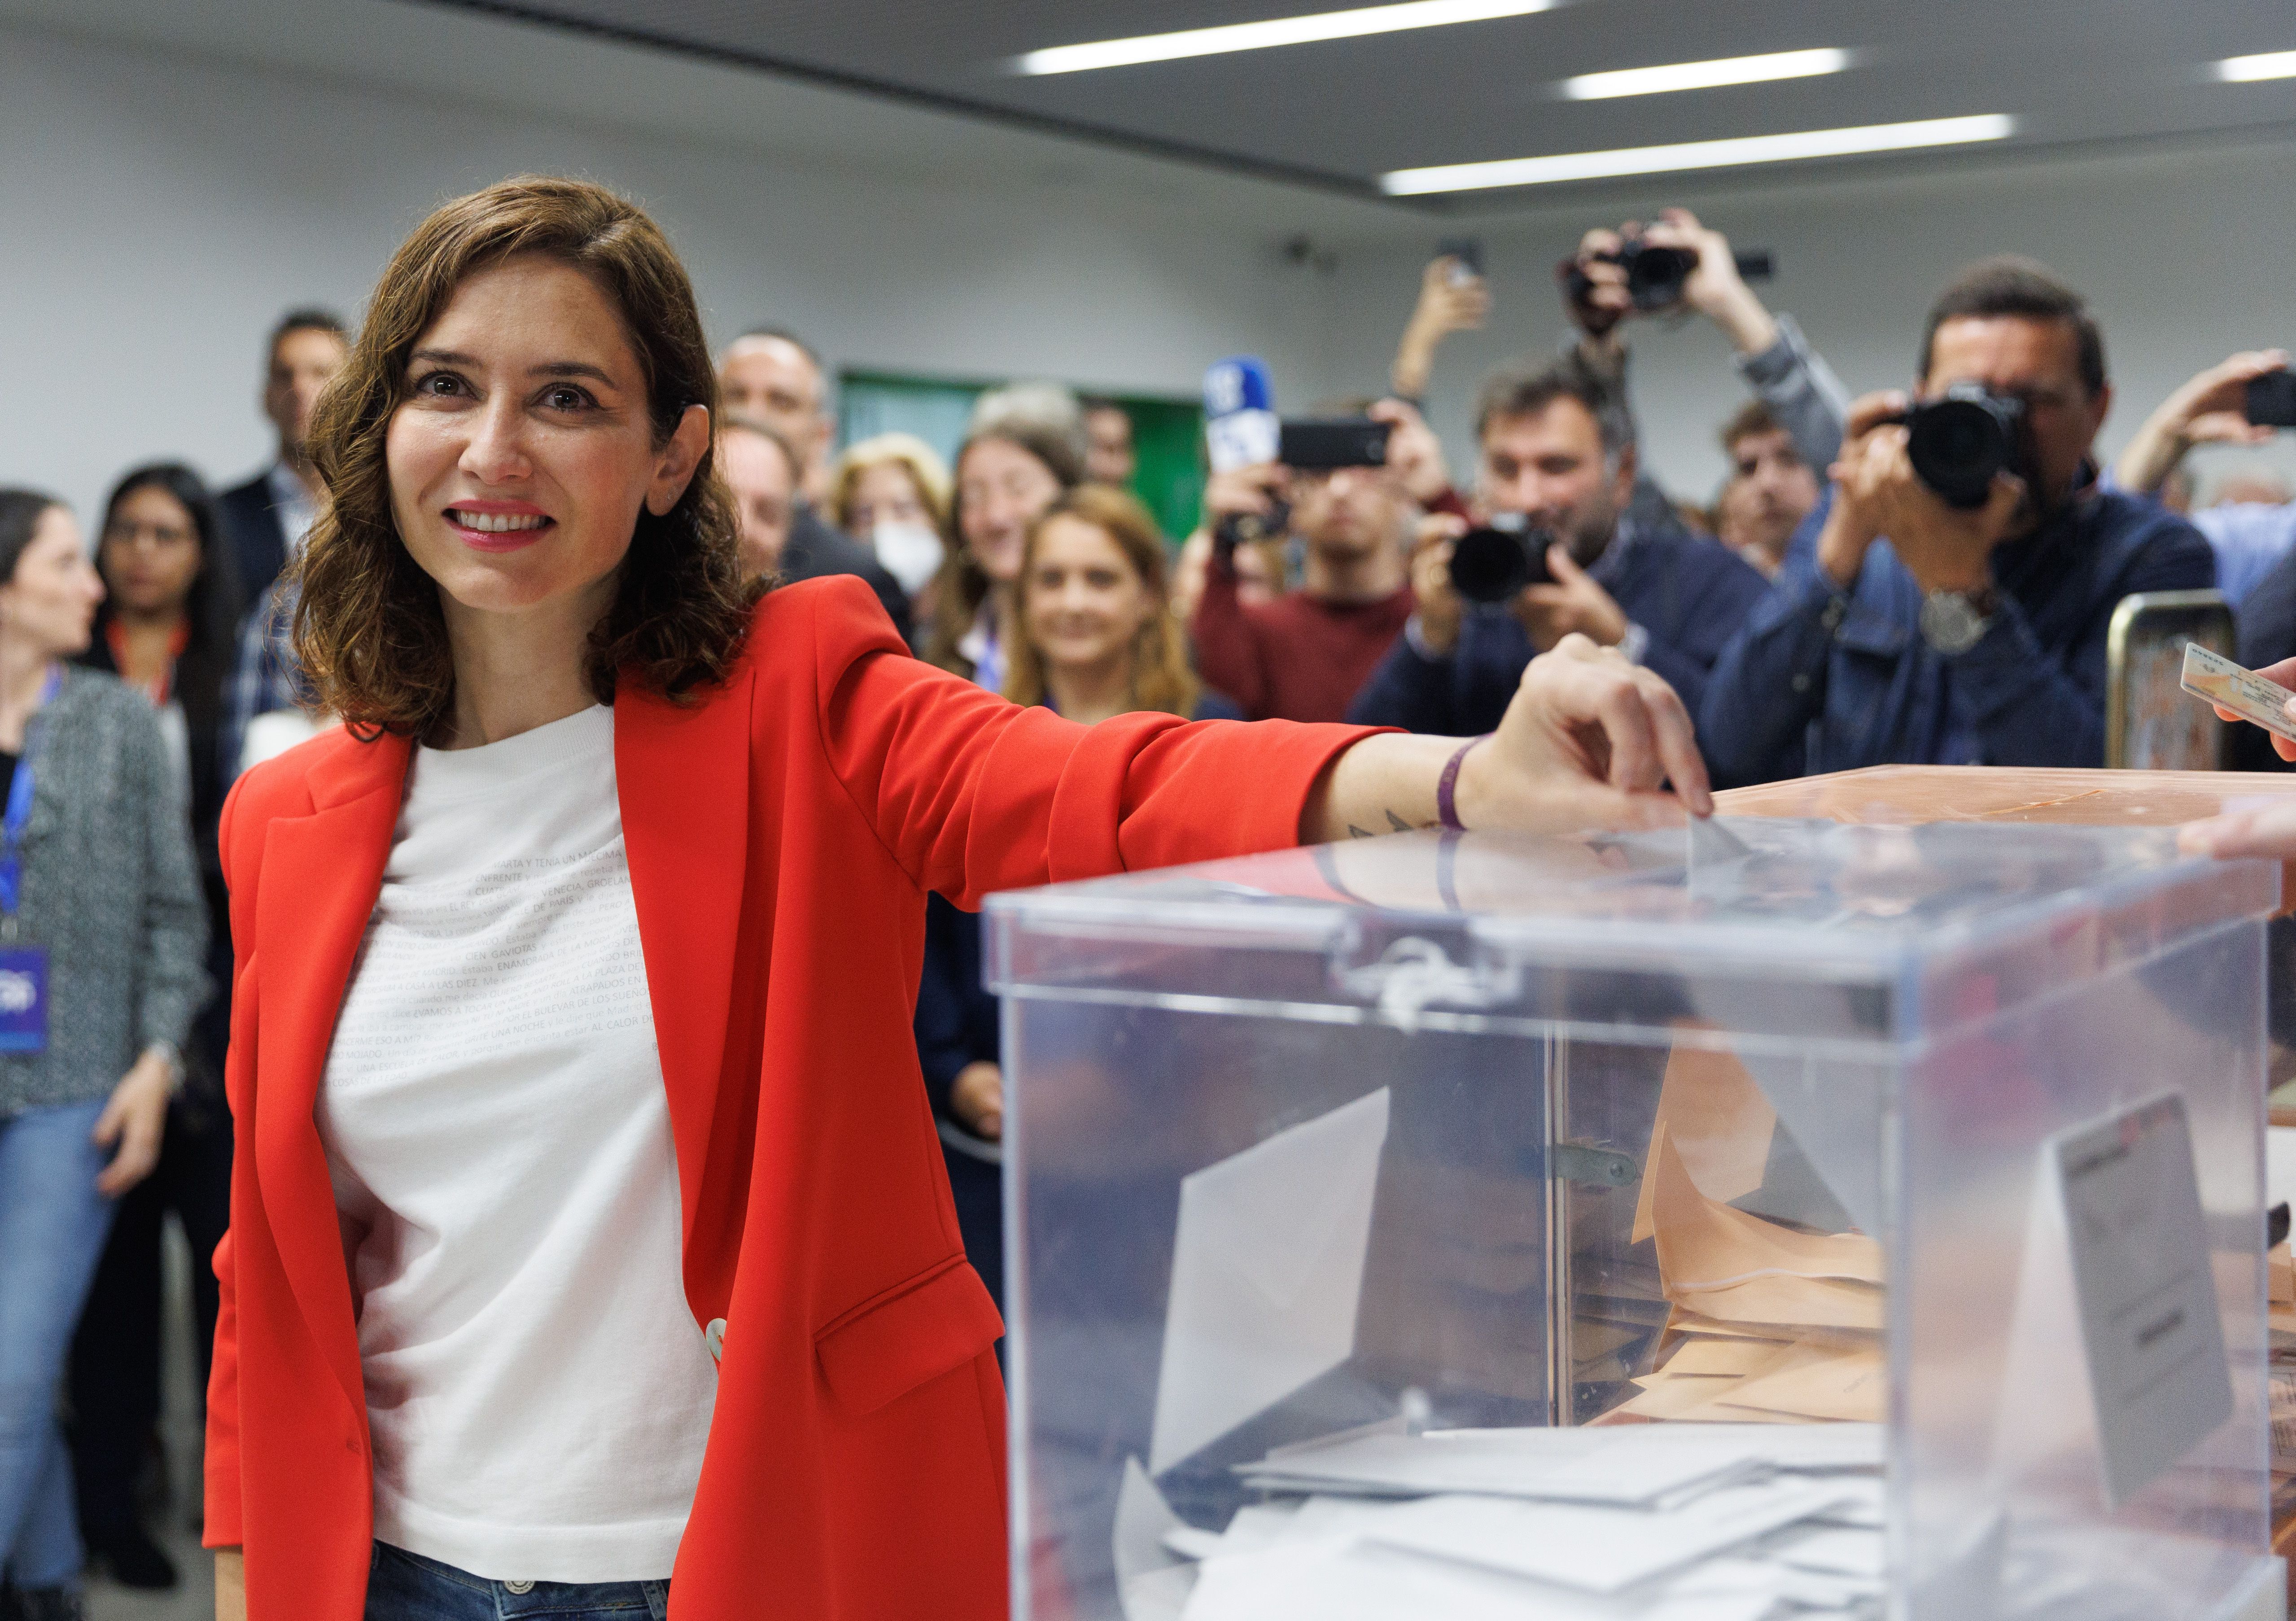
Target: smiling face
{"x": 1082, "y": 602}
{"x": 1001, "y": 489}
{"x": 1549, "y": 465}
{"x": 48, "y": 604}
{"x": 522, "y": 451}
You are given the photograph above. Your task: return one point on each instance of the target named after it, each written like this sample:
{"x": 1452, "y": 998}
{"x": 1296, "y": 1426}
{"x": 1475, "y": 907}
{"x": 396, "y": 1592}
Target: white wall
{"x": 161, "y": 212}
{"x": 2186, "y": 256}
{"x": 165, "y": 198}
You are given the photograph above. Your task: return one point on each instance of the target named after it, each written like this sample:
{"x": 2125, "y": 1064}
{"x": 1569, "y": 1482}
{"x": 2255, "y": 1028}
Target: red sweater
{"x": 1298, "y": 658}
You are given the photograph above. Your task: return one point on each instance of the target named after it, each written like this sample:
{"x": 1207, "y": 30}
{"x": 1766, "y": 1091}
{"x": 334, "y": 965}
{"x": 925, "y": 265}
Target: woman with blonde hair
{"x": 1098, "y": 637}
{"x": 585, "y": 1228}
{"x": 890, "y": 492}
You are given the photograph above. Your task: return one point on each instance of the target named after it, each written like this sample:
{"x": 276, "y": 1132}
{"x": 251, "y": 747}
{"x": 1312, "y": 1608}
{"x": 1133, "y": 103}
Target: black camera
{"x": 1492, "y": 564}
{"x": 1324, "y": 444}
{"x": 1959, "y": 441}
{"x": 1655, "y": 273}
{"x": 2271, "y": 400}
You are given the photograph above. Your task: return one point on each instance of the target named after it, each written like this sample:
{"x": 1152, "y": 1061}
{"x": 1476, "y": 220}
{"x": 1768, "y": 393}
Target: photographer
{"x": 1904, "y": 629}
{"x": 2249, "y": 538}
{"x": 1804, "y": 398}
{"x": 1557, "y": 452}
{"x": 1302, "y": 655}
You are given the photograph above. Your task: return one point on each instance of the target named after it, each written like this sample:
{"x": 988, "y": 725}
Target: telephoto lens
{"x": 1490, "y": 564}
{"x": 1957, "y": 441}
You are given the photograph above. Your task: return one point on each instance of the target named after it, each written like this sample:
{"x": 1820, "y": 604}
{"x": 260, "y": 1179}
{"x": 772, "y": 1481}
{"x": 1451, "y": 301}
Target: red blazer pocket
{"x": 917, "y": 1330}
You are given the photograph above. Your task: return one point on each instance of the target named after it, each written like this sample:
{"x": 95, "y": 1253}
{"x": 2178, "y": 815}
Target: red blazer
{"x": 782, "y": 833}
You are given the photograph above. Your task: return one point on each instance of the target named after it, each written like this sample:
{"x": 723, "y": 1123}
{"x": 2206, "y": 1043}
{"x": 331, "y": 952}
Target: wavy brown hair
{"x": 1161, "y": 675}
{"x": 369, "y": 630}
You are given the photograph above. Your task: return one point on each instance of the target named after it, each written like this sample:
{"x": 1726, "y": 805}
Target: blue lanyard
{"x": 20, "y": 810}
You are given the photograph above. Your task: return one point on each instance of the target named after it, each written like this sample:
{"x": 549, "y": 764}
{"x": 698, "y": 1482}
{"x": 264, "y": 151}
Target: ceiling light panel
{"x": 1276, "y": 31}
{"x": 1705, "y": 75}
{"x": 2242, "y": 70}
{"x": 1697, "y": 154}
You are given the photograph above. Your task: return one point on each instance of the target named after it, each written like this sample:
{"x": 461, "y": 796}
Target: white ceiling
{"x": 1279, "y": 141}
{"x": 2072, "y": 72}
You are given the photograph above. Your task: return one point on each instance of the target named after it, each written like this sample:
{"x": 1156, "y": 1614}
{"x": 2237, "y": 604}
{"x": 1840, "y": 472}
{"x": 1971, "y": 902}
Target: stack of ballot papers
{"x": 1767, "y": 1323}
{"x": 1705, "y": 1523}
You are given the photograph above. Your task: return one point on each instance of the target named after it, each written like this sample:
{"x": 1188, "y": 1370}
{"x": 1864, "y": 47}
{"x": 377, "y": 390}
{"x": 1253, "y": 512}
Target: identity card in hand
{"x": 2225, "y": 684}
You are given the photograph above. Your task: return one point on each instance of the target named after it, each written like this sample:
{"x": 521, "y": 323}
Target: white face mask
{"x": 911, "y": 552}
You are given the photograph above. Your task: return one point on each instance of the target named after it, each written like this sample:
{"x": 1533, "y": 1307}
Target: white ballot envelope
{"x": 1267, "y": 1275}
{"x": 2146, "y": 1293}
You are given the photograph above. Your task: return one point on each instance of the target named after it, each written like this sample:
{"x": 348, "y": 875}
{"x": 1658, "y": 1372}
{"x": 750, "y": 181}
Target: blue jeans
{"x": 52, "y": 1223}
{"x": 403, "y": 1586}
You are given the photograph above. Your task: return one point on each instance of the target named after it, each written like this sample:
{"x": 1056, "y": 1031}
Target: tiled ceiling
{"x": 1339, "y": 113}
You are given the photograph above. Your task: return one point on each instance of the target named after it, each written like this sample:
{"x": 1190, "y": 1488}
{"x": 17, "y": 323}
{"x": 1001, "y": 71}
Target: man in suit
{"x": 770, "y": 376}
{"x": 264, "y": 520}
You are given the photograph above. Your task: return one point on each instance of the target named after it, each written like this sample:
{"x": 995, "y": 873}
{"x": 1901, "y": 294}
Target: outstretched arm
{"x": 1589, "y": 740}
{"x": 971, "y": 793}
{"x": 1452, "y": 298}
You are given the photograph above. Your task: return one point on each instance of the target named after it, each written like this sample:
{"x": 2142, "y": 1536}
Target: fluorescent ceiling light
{"x": 1704, "y": 75}
{"x": 1276, "y": 31}
{"x": 2272, "y": 64}
{"x": 1697, "y": 154}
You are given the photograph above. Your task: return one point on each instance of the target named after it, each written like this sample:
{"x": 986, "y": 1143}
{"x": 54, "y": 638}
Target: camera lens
{"x": 1957, "y": 444}
{"x": 1655, "y": 276}
{"x": 1488, "y": 565}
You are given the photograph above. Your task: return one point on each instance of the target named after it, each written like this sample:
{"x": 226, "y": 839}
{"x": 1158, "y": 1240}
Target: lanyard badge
{"x": 23, "y": 968}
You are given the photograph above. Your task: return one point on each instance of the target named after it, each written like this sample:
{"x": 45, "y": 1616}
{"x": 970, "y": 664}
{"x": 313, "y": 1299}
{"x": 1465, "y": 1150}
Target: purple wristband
{"x": 1446, "y": 809}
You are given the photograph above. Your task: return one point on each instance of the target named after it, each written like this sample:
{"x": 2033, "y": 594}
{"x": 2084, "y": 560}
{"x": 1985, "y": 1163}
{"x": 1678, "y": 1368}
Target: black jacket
{"x": 815, "y": 548}
{"x": 1689, "y": 593}
{"x": 256, "y": 537}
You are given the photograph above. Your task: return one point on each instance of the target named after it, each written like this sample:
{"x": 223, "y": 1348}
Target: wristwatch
{"x": 1954, "y": 621}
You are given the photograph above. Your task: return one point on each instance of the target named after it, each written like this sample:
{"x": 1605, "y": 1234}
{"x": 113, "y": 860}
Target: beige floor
{"x": 193, "y": 1598}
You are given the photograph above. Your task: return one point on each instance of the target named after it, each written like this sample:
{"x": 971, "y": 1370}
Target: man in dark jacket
{"x": 265, "y": 518}
{"x": 1557, "y": 450}
{"x": 1902, "y": 629}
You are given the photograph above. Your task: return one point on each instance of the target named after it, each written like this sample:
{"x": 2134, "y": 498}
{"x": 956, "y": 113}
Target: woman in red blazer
{"x": 617, "y": 1241}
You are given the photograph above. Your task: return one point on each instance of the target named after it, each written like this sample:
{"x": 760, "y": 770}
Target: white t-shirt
{"x": 495, "y": 1119}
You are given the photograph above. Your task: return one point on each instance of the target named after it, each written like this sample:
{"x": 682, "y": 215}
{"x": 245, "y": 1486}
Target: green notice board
{"x": 1167, "y": 433}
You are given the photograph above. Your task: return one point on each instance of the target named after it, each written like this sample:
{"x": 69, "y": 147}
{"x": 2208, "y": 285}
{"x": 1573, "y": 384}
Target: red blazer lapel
{"x": 320, "y": 877}
{"x": 683, "y": 775}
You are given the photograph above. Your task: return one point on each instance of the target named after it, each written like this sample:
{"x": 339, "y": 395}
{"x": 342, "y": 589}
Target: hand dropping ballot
{"x": 2225, "y": 684}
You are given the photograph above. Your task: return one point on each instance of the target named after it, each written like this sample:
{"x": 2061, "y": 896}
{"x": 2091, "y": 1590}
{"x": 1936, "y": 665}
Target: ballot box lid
{"x": 1810, "y": 929}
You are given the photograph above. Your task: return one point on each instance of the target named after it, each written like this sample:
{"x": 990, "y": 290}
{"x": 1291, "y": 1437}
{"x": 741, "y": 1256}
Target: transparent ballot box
{"x": 1772, "y": 1218}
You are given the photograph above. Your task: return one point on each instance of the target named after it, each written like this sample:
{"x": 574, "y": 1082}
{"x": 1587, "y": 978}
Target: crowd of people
{"x": 1825, "y": 608}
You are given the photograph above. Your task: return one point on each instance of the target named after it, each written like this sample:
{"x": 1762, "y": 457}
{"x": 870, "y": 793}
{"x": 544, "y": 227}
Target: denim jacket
{"x": 1849, "y": 675}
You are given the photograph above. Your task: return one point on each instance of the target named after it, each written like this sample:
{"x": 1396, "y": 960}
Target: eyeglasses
{"x": 120, "y": 531}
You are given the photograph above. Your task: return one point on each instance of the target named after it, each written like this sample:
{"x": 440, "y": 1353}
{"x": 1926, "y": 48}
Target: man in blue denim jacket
{"x": 1902, "y": 629}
